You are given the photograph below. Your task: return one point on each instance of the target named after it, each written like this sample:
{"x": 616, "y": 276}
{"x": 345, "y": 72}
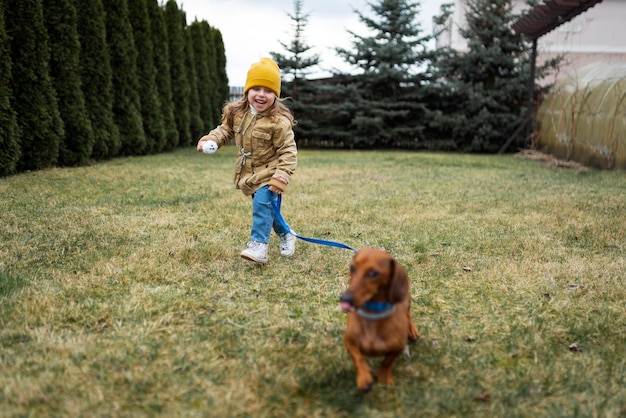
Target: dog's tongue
{"x": 346, "y": 307}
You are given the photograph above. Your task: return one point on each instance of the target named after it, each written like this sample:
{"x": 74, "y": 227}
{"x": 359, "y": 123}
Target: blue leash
{"x": 276, "y": 204}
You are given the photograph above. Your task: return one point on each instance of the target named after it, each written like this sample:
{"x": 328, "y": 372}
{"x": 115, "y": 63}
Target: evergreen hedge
{"x": 9, "y": 134}
{"x": 61, "y": 20}
{"x": 33, "y": 96}
{"x": 97, "y": 78}
{"x": 83, "y": 81}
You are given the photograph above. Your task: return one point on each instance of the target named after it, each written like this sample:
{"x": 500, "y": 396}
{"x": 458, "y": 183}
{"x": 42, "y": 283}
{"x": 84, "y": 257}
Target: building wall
{"x": 595, "y": 35}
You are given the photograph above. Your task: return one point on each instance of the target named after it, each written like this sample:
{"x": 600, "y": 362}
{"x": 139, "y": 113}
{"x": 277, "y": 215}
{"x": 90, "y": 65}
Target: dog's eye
{"x": 372, "y": 274}
{"x": 352, "y": 268}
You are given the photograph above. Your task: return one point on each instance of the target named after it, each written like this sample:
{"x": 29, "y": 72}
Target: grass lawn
{"x": 122, "y": 292}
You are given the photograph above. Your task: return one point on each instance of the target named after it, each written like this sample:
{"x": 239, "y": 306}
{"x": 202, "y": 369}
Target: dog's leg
{"x": 413, "y": 333}
{"x": 364, "y": 378}
{"x": 384, "y": 370}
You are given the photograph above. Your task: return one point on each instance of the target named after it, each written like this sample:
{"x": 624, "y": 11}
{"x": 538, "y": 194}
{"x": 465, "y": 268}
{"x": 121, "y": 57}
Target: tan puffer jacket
{"x": 265, "y": 148}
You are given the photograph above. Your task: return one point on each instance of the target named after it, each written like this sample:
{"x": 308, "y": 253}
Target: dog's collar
{"x": 376, "y": 310}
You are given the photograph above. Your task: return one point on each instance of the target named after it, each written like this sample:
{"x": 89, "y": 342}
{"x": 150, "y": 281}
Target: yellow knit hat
{"x": 264, "y": 73}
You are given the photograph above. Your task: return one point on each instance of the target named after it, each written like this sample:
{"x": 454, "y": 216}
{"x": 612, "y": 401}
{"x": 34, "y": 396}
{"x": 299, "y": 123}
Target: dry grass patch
{"x": 122, "y": 291}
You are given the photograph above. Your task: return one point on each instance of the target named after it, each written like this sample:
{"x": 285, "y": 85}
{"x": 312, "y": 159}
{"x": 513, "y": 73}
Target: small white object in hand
{"x": 209, "y": 147}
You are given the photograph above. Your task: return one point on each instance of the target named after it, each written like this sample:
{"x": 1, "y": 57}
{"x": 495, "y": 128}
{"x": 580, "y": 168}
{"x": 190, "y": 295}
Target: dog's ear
{"x": 399, "y": 285}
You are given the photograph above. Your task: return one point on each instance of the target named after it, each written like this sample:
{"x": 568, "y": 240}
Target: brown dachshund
{"x": 379, "y": 323}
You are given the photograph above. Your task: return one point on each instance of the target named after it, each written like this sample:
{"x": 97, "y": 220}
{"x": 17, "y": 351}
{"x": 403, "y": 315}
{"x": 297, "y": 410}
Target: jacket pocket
{"x": 263, "y": 146}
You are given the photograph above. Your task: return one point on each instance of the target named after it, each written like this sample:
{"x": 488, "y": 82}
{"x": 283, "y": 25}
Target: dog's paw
{"x": 367, "y": 387}
{"x": 385, "y": 378}
{"x": 414, "y": 335}
{"x": 406, "y": 352}
{"x": 365, "y": 382}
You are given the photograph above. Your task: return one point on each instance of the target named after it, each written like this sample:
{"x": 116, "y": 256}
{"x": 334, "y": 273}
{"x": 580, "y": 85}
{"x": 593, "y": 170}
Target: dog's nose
{"x": 345, "y": 300}
{"x": 346, "y": 297}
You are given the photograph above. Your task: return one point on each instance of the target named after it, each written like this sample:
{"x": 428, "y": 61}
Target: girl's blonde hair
{"x": 241, "y": 106}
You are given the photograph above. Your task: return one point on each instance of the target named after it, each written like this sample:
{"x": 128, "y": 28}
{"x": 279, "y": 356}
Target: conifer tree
{"x": 126, "y": 102}
{"x": 148, "y": 93}
{"x": 97, "y": 78}
{"x": 295, "y": 66}
{"x": 202, "y": 51}
{"x": 34, "y": 99}
{"x": 174, "y": 22}
{"x": 61, "y": 20}
{"x": 484, "y": 88}
{"x": 163, "y": 77}
{"x": 388, "y": 108}
{"x": 218, "y": 69}
{"x": 195, "y": 122}
{"x": 9, "y": 133}
{"x": 217, "y": 100}
{"x": 299, "y": 62}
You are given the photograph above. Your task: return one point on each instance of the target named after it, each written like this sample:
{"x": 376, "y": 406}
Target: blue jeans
{"x": 263, "y": 218}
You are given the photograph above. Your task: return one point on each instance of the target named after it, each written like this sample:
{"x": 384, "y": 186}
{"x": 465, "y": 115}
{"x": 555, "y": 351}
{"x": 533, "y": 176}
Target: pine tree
{"x": 181, "y": 90}
{"x": 163, "y": 77}
{"x": 148, "y": 93}
{"x": 61, "y": 20}
{"x": 34, "y": 99}
{"x": 9, "y": 133}
{"x": 388, "y": 108}
{"x": 126, "y": 102}
{"x": 97, "y": 78}
{"x": 485, "y": 88}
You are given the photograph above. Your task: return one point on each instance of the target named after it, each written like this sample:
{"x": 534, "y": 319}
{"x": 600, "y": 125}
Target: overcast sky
{"x": 251, "y": 29}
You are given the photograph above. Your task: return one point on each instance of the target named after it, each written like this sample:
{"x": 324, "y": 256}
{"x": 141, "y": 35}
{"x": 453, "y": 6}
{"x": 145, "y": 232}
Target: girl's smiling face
{"x": 261, "y": 98}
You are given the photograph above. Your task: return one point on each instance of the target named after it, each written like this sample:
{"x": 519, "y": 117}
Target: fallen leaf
{"x": 575, "y": 348}
{"x": 483, "y": 397}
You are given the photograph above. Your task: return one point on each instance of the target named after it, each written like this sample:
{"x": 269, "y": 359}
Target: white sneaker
{"x": 287, "y": 244}
{"x": 256, "y": 251}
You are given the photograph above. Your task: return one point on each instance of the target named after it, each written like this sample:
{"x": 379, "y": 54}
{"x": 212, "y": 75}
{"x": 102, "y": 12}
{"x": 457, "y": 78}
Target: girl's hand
{"x": 276, "y": 182}
{"x": 201, "y": 141}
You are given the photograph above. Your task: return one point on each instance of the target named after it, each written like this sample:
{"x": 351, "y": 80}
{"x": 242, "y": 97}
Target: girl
{"x": 262, "y": 127}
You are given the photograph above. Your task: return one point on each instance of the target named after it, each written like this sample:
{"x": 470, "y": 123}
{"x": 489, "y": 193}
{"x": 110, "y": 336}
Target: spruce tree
{"x": 126, "y": 101}
{"x": 298, "y": 63}
{"x": 34, "y": 99}
{"x": 9, "y": 133}
{"x": 181, "y": 90}
{"x": 295, "y": 66}
{"x": 485, "y": 88}
{"x": 97, "y": 78}
{"x": 388, "y": 108}
{"x": 442, "y": 101}
{"x": 61, "y": 20}
{"x": 163, "y": 77}
{"x": 148, "y": 92}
